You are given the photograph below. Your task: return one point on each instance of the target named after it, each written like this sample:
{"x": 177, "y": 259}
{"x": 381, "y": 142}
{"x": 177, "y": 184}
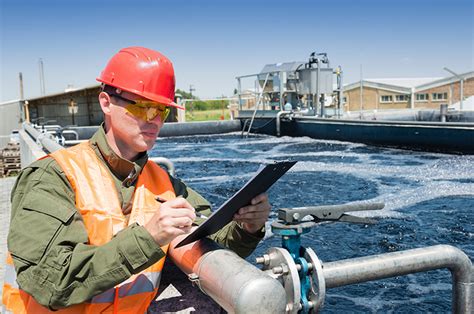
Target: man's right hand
{"x": 174, "y": 218}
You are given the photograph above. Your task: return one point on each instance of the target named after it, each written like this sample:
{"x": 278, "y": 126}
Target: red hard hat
{"x": 143, "y": 72}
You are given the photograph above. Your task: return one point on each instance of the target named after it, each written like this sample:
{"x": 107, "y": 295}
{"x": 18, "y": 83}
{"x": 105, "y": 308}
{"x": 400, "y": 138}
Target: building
{"x": 11, "y": 119}
{"x": 72, "y": 107}
{"x": 412, "y": 93}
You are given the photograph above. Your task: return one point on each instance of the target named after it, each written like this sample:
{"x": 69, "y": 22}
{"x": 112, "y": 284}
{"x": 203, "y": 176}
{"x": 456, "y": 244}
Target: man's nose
{"x": 157, "y": 121}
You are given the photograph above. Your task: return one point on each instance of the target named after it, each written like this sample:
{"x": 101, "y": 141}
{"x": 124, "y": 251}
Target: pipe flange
{"x": 282, "y": 267}
{"x": 318, "y": 285}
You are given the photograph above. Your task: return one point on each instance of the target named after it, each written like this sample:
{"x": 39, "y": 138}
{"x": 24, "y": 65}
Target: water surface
{"x": 429, "y": 200}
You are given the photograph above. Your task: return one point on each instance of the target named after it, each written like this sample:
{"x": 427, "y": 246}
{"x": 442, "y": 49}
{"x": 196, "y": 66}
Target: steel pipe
{"x": 362, "y": 269}
{"x": 195, "y": 128}
{"x": 71, "y": 132}
{"x": 165, "y": 162}
{"x": 73, "y": 142}
{"x": 31, "y": 130}
{"x": 233, "y": 283}
{"x": 278, "y": 121}
{"x": 443, "y": 112}
{"x": 45, "y": 139}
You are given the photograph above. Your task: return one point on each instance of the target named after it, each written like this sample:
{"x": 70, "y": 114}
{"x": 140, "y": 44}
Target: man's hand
{"x": 254, "y": 216}
{"x": 174, "y": 218}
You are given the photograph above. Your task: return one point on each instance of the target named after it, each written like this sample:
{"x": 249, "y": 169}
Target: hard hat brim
{"x": 153, "y": 97}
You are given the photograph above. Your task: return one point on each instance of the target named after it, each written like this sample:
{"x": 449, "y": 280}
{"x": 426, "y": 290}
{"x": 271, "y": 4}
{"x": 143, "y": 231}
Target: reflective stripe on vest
{"x": 97, "y": 201}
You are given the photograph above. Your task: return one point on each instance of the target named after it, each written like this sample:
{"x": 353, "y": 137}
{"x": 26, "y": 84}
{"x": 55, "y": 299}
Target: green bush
{"x": 200, "y": 105}
{"x": 207, "y": 115}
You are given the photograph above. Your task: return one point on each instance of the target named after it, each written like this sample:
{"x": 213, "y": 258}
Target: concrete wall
{"x": 10, "y": 119}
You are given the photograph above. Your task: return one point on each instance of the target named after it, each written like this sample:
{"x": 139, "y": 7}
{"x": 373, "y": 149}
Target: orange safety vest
{"x": 98, "y": 203}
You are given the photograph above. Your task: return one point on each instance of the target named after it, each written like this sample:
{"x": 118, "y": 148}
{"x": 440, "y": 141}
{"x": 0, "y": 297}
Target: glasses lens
{"x": 148, "y": 111}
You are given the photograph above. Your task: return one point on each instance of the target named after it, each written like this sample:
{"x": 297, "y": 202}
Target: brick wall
{"x": 453, "y": 93}
{"x": 371, "y": 97}
{"x": 372, "y": 100}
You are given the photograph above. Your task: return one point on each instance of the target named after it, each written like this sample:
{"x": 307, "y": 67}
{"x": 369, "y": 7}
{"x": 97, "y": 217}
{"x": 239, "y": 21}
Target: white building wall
{"x": 10, "y": 119}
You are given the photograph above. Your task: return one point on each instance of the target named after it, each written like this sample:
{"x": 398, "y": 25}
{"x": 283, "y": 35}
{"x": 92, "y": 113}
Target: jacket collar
{"x": 126, "y": 170}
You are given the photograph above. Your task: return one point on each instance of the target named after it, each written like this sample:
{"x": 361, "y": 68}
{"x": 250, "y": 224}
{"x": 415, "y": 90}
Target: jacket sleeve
{"x": 49, "y": 244}
{"x": 232, "y": 235}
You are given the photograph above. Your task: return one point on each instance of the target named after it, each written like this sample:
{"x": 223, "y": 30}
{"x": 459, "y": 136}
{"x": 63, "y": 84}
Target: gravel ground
{"x": 6, "y": 185}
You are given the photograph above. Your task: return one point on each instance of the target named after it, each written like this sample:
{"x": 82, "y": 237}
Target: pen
{"x": 162, "y": 200}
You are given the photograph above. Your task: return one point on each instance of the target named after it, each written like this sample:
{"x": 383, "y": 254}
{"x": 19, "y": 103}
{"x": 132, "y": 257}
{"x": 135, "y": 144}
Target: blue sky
{"x": 211, "y": 42}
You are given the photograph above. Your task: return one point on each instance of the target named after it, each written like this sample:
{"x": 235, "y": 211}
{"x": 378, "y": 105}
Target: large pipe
{"x": 362, "y": 269}
{"x": 278, "y": 121}
{"x": 443, "y": 112}
{"x": 46, "y": 140}
{"x": 165, "y": 162}
{"x": 233, "y": 283}
{"x": 318, "y": 84}
{"x": 196, "y": 128}
{"x": 340, "y": 87}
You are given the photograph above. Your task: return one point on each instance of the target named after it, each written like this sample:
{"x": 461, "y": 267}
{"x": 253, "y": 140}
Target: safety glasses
{"x": 144, "y": 109}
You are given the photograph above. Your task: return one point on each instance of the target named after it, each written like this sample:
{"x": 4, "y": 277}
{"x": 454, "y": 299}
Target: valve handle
{"x": 328, "y": 212}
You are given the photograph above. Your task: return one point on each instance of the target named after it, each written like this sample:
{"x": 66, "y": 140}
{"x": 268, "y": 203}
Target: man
{"x": 87, "y": 234}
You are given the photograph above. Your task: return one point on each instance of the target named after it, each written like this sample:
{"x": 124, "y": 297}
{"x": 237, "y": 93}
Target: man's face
{"x": 133, "y": 128}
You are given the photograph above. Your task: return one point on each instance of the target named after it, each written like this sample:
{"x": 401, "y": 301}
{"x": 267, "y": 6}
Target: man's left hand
{"x": 254, "y": 216}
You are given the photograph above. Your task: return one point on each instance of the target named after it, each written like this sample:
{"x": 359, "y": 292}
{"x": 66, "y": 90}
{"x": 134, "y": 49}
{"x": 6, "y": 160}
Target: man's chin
{"x": 149, "y": 144}
{"x": 142, "y": 144}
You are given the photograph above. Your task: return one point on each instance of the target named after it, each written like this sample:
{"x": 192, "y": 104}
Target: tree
{"x": 185, "y": 95}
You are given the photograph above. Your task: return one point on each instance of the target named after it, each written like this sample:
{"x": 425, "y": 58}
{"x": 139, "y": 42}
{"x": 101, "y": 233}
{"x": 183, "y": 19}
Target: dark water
{"x": 429, "y": 200}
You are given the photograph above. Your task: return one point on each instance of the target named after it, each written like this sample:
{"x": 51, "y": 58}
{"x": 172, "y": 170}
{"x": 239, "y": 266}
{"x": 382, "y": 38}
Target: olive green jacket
{"x": 49, "y": 244}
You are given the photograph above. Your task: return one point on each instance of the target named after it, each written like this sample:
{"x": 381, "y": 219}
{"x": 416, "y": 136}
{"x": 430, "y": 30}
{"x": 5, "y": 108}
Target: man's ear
{"x": 104, "y": 101}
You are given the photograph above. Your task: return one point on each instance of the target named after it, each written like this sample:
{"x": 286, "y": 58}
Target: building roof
{"x": 9, "y": 102}
{"x": 444, "y": 81}
{"x": 407, "y": 85}
{"x": 69, "y": 91}
{"x": 404, "y": 82}
{"x": 378, "y": 85}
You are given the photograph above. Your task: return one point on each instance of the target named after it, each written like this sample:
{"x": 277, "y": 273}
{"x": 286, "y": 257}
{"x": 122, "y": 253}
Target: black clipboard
{"x": 265, "y": 177}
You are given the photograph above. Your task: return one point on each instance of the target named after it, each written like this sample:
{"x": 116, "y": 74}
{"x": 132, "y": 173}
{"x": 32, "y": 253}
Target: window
{"x": 386, "y": 98}
{"x": 439, "y": 96}
{"x": 421, "y": 97}
{"x": 401, "y": 98}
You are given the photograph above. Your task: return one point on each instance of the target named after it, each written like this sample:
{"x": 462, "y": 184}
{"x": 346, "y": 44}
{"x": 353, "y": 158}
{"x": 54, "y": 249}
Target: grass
{"x": 207, "y": 115}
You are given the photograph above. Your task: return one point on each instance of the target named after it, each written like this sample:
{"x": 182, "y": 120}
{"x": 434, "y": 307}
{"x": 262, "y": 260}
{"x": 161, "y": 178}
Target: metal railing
{"x": 306, "y": 278}
{"x": 46, "y": 140}
{"x": 49, "y": 144}
{"x": 362, "y": 269}
{"x": 259, "y": 100}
